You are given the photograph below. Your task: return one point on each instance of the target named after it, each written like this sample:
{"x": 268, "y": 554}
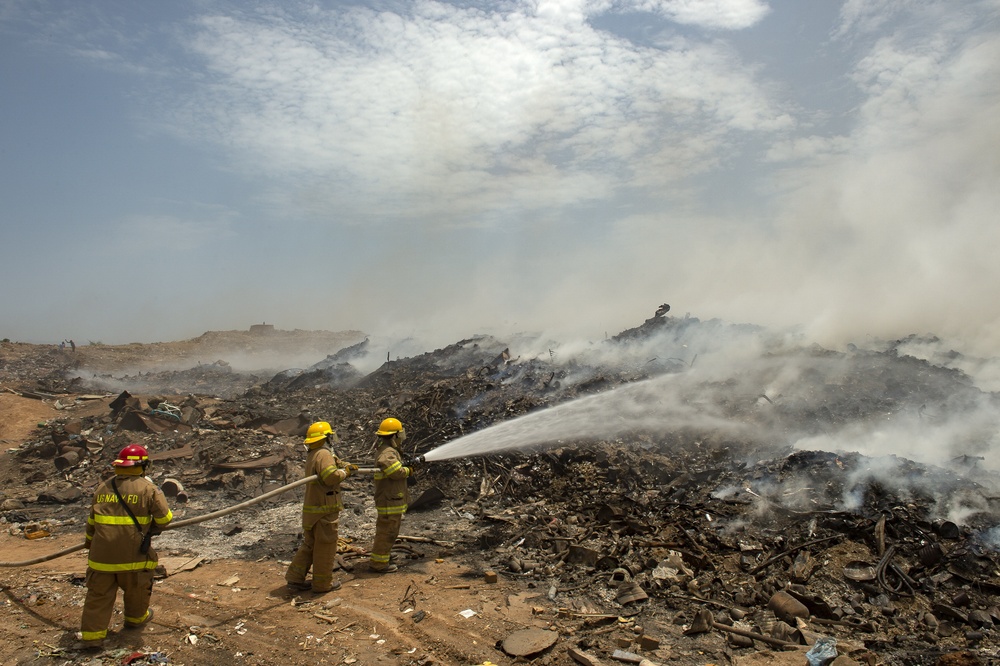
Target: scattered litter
{"x": 143, "y": 658}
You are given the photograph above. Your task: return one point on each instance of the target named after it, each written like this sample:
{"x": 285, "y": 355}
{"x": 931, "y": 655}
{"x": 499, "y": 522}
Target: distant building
{"x": 261, "y": 329}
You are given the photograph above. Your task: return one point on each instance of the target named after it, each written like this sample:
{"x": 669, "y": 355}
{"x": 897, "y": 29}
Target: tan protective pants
{"x": 318, "y": 552}
{"x": 386, "y": 531}
{"x": 102, "y": 590}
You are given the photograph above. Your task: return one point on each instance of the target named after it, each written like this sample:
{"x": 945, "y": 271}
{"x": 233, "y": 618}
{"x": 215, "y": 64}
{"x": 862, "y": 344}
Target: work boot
{"x": 389, "y": 568}
{"x": 334, "y": 586}
{"x": 136, "y": 625}
{"x": 87, "y": 646}
{"x": 299, "y": 586}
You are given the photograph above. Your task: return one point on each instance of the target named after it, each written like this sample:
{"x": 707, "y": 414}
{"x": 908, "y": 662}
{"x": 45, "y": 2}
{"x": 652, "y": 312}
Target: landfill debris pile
{"x": 705, "y": 539}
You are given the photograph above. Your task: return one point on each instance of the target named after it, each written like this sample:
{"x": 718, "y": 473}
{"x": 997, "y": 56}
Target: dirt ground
{"x": 437, "y": 609}
{"x": 239, "y": 612}
{"x": 20, "y": 417}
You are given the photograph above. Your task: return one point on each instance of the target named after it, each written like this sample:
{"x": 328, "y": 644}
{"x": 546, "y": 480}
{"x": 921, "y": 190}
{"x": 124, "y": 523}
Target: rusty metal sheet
{"x": 529, "y": 641}
{"x": 142, "y": 422}
{"x": 173, "y": 565}
{"x": 293, "y": 427}
{"x": 181, "y": 452}
{"x": 258, "y": 463}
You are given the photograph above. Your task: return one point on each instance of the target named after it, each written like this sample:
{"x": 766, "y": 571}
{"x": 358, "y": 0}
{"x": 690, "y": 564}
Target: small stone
{"x": 585, "y": 658}
{"x": 980, "y": 618}
{"x": 974, "y": 637}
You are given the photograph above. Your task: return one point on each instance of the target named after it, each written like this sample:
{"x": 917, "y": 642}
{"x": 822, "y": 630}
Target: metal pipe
{"x": 67, "y": 460}
{"x": 173, "y": 488}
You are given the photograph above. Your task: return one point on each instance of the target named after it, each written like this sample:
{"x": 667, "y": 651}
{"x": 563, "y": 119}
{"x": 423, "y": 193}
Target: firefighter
{"x": 320, "y": 512}
{"x": 392, "y": 496}
{"x": 128, "y": 509}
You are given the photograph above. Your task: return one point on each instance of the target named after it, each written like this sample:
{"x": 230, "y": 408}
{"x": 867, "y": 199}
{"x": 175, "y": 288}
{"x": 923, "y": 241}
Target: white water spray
{"x": 655, "y": 405}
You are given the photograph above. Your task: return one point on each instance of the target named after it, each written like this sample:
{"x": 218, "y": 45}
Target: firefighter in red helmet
{"x": 127, "y": 510}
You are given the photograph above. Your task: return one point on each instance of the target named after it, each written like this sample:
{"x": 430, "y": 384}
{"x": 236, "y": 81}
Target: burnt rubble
{"x": 708, "y": 540}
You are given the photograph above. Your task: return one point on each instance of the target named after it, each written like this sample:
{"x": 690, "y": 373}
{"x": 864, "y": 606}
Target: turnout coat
{"x": 112, "y": 536}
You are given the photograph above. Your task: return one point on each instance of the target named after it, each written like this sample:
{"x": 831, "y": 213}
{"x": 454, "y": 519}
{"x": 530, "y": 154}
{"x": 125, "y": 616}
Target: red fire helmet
{"x": 132, "y": 455}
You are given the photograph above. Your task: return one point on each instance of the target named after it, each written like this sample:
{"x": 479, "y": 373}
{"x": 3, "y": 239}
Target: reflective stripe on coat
{"x": 111, "y": 533}
{"x": 392, "y": 495}
{"x": 323, "y": 495}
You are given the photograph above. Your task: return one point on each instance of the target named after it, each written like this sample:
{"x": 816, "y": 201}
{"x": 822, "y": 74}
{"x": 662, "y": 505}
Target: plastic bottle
{"x": 823, "y": 651}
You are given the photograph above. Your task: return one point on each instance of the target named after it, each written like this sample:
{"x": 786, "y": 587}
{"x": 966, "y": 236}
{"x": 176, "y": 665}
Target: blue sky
{"x": 452, "y": 168}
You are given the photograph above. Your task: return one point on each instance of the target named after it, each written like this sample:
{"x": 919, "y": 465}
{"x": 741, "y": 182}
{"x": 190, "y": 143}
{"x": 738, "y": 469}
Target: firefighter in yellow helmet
{"x": 320, "y": 512}
{"x": 127, "y": 510}
{"x": 392, "y": 497}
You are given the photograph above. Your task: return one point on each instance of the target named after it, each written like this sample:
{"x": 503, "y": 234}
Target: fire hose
{"x": 189, "y": 521}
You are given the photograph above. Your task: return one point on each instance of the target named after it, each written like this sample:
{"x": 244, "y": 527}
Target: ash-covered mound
{"x": 334, "y": 371}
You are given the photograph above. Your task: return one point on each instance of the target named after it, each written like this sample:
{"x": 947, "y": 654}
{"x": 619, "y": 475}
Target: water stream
{"x": 656, "y": 405}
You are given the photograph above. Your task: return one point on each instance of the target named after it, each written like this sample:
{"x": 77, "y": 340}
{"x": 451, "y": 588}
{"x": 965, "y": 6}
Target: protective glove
{"x": 350, "y": 469}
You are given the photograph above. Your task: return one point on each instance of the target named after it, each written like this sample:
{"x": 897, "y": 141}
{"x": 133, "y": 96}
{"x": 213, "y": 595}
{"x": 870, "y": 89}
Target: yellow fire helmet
{"x": 317, "y": 431}
{"x": 389, "y": 426}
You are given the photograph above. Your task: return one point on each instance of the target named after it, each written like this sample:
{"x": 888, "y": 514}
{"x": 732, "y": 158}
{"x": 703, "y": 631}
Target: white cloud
{"x": 805, "y": 148}
{"x": 451, "y": 112}
{"x": 713, "y": 14}
{"x": 867, "y": 16}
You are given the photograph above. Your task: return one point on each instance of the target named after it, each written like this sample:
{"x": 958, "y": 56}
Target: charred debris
{"x": 719, "y": 541}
